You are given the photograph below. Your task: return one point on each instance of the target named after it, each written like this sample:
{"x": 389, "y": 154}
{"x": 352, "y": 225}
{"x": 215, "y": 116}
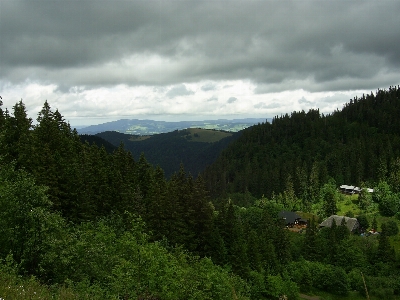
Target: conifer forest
{"x": 79, "y": 222}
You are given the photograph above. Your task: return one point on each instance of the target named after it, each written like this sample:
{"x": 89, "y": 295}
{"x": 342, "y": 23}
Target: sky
{"x": 102, "y": 60}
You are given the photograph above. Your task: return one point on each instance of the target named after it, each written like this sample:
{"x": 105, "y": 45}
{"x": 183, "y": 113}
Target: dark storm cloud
{"x": 279, "y": 45}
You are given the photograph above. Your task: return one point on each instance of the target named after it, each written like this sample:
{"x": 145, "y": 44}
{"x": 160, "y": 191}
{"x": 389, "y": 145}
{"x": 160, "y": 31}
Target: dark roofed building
{"x": 291, "y": 218}
{"x": 351, "y": 223}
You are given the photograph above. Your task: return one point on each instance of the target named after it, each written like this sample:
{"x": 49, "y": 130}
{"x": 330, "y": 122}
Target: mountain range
{"x": 149, "y": 127}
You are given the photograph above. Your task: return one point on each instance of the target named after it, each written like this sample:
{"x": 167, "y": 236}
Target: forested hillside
{"x": 92, "y": 139}
{"x": 102, "y": 226}
{"x": 78, "y": 222}
{"x": 193, "y": 147}
{"x": 355, "y": 145}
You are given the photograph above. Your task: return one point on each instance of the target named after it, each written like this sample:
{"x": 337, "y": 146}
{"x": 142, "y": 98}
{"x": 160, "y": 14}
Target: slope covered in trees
{"x": 304, "y": 149}
{"x": 92, "y": 139}
{"x": 194, "y": 148}
{"x": 93, "y": 225}
{"x": 75, "y": 215}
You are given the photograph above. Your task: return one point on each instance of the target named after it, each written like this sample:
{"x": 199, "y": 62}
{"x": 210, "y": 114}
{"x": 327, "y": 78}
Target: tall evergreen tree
{"x": 333, "y": 243}
{"x": 234, "y": 241}
{"x": 385, "y": 251}
{"x": 329, "y": 197}
{"x": 201, "y": 216}
{"x": 310, "y": 245}
{"x": 254, "y": 251}
{"x": 15, "y": 141}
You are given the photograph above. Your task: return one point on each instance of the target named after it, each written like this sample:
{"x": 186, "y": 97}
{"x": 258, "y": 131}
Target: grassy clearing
{"x": 139, "y": 138}
{"x": 351, "y": 296}
{"x": 205, "y": 135}
{"x": 18, "y": 288}
{"x": 349, "y": 203}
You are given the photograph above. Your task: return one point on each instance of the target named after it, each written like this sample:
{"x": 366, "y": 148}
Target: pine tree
{"x": 158, "y": 211}
{"x": 201, "y": 216}
{"x": 234, "y": 242}
{"x": 332, "y": 242}
{"x": 374, "y": 224}
{"x": 178, "y": 193}
{"x": 269, "y": 259}
{"x": 342, "y": 232}
{"x": 313, "y": 186}
{"x": 364, "y": 198}
{"x": 129, "y": 180}
{"x": 385, "y": 251}
{"x": 329, "y": 197}
{"x": 253, "y": 251}
{"x": 394, "y": 177}
{"x": 310, "y": 244}
{"x": 16, "y": 142}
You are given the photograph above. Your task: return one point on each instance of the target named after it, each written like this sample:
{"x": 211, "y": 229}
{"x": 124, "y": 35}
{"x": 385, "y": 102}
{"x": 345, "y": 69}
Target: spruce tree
{"x": 158, "y": 211}
{"x": 310, "y": 245}
{"x": 333, "y": 243}
{"x": 374, "y": 224}
{"x": 385, "y": 251}
{"x": 254, "y": 251}
{"x": 16, "y": 141}
{"x": 202, "y": 216}
{"x": 234, "y": 241}
{"x": 342, "y": 232}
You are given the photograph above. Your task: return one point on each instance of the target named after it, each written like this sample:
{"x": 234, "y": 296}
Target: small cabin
{"x": 291, "y": 219}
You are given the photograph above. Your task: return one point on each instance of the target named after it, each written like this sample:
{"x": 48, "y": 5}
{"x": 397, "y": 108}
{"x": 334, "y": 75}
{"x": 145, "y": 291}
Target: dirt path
{"x": 303, "y": 296}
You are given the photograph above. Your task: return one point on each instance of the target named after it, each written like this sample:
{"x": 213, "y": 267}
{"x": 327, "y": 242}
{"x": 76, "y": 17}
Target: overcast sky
{"x": 103, "y": 60}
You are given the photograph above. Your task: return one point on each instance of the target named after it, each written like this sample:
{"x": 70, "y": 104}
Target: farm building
{"x": 351, "y": 189}
{"x": 292, "y": 219}
{"x": 351, "y": 223}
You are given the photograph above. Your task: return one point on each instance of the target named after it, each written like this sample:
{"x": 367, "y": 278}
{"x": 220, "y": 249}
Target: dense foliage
{"x": 79, "y": 222}
{"x": 179, "y": 146}
{"x": 357, "y": 144}
{"x": 70, "y": 215}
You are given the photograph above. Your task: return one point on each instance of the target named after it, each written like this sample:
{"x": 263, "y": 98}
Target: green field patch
{"x": 348, "y": 203}
{"x": 205, "y": 135}
{"x": 139, "y": 138}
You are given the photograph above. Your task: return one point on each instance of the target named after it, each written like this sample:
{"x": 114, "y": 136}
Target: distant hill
{"x": 194, "y": 147}
{"x": 149, "y": 127}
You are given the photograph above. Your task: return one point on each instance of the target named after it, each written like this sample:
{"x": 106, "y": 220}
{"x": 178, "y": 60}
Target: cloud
{"x": 213, "y": 40}
{"x": 262, "y": 105}
{"x": 181, "y": 48}
{"x": 209, "y": 86}
{"x": 179, "y": 90}
{"x": 304, "y": 101}
{"x": 213, "y": 98}
{"x": 232, "y": 100}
